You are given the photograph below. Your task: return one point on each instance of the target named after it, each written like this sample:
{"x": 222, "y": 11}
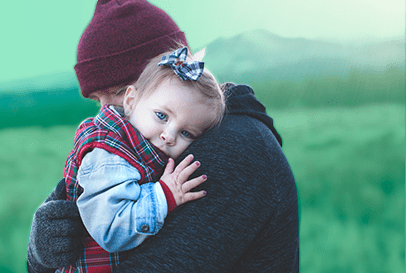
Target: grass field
{"x": 348, "y": 164}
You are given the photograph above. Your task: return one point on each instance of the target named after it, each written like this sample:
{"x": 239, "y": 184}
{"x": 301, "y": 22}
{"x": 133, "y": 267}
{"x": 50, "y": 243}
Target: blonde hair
{"x": 154, "y": 75}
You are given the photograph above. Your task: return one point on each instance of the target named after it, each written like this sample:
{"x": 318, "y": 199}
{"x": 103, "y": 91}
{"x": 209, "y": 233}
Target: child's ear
{"x": 129, "y": 99}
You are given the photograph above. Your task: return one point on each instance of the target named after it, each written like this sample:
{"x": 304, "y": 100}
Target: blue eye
{"x": 187, "y": 134}
{"x": 161, "y": 116}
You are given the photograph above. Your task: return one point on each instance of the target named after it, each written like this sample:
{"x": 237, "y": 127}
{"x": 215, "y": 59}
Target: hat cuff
{"x": 122, "y": 67}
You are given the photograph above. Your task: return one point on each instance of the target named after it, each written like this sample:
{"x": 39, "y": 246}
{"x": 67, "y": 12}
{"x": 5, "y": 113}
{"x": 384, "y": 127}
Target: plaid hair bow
{"x": 185, "y": 70}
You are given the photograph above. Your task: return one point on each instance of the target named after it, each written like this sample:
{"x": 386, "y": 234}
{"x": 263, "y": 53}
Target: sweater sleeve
{"x": 117, "y": 212}
{"x": 170, "y": 199}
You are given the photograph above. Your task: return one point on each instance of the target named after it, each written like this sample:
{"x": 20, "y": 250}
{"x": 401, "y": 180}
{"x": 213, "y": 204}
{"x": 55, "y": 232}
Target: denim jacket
{"x": 118, "y": 212}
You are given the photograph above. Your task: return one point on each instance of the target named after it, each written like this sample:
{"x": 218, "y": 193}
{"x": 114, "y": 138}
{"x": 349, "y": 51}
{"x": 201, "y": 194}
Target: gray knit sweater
{"x": 247, "y": 222}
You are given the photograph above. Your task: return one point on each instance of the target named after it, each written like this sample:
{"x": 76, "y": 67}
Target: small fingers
{"x": 169, "y": 166}
{"x": 190, "y": 196}
{"x": 184, "y": 163}
{"x": 193, "y": 183}
{"x": 185, "y": 173}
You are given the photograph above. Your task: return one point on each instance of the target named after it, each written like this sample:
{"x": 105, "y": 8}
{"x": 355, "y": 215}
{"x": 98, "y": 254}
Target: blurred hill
{"x": 263, "y": 55}
{"x": 284, "y": 72}
{"x": 298, "y": 72}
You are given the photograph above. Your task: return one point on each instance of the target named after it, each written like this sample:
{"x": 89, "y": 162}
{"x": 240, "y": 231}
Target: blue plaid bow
{"x": 185, "y": 70}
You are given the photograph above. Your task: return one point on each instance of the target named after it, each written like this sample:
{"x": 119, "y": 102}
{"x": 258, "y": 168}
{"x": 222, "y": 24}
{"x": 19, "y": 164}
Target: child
{"x": 119, "y": 155}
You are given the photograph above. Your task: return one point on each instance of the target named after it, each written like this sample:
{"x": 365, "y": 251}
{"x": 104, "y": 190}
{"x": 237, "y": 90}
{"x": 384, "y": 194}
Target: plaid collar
{"x": 112, "y": 118}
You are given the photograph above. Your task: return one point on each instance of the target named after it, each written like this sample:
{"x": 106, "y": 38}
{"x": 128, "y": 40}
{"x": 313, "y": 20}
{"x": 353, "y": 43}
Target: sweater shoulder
{"x": 245, "y": 146}
{"x": 242, "y": 136}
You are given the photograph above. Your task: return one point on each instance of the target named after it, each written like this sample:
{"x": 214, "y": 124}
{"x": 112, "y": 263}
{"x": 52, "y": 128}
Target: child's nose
{"x": 168, "y": 138}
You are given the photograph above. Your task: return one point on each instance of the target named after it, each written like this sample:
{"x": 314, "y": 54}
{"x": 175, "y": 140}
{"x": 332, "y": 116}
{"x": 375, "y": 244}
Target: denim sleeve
{"x": 117, "y": 212}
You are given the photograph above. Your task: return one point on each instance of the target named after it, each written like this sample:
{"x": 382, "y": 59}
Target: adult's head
{"x": 114, "y": 49}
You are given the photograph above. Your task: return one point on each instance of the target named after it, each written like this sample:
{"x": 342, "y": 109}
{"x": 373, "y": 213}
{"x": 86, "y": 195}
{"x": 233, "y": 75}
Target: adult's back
{"x": 248, "y": 222}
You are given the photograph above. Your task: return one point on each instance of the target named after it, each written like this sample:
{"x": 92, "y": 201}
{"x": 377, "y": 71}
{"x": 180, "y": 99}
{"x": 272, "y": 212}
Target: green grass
{"x": 348, "y": 164}
{"x": 349, "y": 167}
{"x": 31, "y": 163}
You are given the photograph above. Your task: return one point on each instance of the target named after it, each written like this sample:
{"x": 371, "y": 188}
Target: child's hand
{"x": 176, "y": 180}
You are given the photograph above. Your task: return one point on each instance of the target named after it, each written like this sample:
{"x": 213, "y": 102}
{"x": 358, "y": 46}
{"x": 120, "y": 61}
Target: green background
{"x": 343, "y": 131}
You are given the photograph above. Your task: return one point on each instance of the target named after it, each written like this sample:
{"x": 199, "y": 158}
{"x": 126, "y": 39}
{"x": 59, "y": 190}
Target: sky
{"x": 40, "y": 37}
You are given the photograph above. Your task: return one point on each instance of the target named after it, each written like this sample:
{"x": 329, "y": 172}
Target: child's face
{"x": 171, "y": 117}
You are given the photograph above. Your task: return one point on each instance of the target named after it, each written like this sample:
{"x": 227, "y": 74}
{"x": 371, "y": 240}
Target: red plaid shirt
{"x": 113, "y": 133}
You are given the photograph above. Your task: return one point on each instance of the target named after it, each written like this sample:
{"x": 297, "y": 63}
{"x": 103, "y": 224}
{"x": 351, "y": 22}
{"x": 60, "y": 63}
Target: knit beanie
{"x": 121, "y": 38}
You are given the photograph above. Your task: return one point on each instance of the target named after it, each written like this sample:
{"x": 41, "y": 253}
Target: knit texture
{"x": 121, "y": 38}
{"x": 56, "y": 225}
{"x": 248, "y": 221}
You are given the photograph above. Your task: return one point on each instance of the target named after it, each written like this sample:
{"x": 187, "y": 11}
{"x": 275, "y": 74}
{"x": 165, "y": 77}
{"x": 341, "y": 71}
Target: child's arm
{"x": 118, "y": 213}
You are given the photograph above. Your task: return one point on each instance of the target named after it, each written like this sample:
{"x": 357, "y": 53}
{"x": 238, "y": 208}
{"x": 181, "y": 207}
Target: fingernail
{"x": 204, "y": 176}
{"x": 197, "y": 163}
{"x": 205, "y": 192}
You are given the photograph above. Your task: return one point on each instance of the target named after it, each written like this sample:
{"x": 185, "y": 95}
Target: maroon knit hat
{"x": 119, "y": 41}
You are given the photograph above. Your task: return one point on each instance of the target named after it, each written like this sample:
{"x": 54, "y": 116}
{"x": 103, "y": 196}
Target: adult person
{"x": 248, "y": 221}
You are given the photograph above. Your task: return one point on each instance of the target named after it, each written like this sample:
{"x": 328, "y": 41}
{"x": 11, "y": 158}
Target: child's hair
{"x": 153, "y": 75}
